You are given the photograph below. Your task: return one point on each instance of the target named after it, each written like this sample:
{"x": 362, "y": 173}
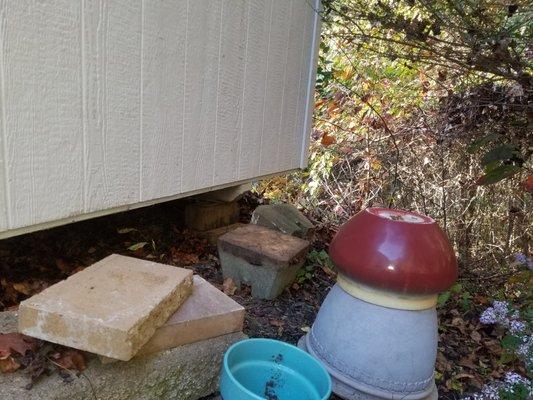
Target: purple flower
{"x": 524, "y": 350}
{"x": 492, "y": 390}
{"x": 517, "y": 326}
{"x": 513, "y": 378}
{"x": 488, "y": 316}
{"x": 498, "y": 313}
{"x": 501, "y": 309}
{"x": 520, "y": 258}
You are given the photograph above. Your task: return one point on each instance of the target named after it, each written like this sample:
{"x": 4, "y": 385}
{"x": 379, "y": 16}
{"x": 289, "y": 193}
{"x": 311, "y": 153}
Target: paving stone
{"x": 285, "y": 218}
{"x": 207, "y": 313}
{"x": 212, "y": 235}
{"x": 266, "y": 259}
{"x": 111, "y": 308}
{"x": 187, "y": 372}
{"x": 206, "y": 215}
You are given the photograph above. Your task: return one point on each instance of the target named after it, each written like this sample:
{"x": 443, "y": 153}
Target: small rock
{"x": 285, "y": 218}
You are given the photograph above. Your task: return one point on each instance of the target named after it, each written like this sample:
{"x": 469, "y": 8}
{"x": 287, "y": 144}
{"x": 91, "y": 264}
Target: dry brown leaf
{"x": 528, "y": 184}
{"x": 8, "y": 364}
{"x": 476, "y": 336}
{"x": 63, "y": 266}
{"x": 327, "y": 140}
{"x": 184, "y": 258}
{"x": 329, "y": 271}
{"x": 15, "y": 342}
{"x": 71, "y": 360}
{"x": 22, "y": 287}
{"x": 276, "y": 322}
{"x": 467, "y": 362}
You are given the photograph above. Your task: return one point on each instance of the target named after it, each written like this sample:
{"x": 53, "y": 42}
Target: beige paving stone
{"x": 111, "y": 308}
{"x": 206, "y": 314}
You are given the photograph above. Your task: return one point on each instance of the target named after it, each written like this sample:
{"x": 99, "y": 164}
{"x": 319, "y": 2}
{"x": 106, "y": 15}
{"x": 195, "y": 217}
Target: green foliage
{"x": 305, "y": 273}
{"x": 518, "y": 391}
{"x": 315, "y": 259}
{"x": 320, "y": 258}
{"x": 460, "y": 294}
{"x": 480, "y": 36}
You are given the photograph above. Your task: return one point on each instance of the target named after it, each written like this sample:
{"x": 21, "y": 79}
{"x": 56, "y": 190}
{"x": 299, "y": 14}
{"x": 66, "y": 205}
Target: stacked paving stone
{"x": 166, "y": 330}
{"x": 267, "y": 253}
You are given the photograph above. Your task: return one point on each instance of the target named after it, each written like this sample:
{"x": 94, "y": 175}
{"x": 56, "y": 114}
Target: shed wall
{"x": 107, "y": 104}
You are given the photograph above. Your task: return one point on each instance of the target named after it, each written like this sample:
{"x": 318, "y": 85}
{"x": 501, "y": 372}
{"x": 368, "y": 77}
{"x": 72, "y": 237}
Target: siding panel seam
{"x": 184, "y": 109}
{"x": 218, "y": 91}
{"x": 7, "y": 191}
{"x": 239, "y": 150}
{"x": 83, "y": 103}
{"x": 265, "y": 91}
{"x": 141, "y": 85}
{"x": 289, "y": 20}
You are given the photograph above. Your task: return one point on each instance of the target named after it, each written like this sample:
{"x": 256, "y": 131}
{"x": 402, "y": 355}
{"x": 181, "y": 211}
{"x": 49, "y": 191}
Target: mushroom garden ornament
{"x": 376, "y": 331}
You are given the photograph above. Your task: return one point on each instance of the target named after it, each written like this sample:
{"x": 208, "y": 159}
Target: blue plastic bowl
{"x": 259, "y": 369}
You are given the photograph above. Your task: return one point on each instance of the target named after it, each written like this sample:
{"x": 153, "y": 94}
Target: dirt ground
{"x": 31, "y": 262}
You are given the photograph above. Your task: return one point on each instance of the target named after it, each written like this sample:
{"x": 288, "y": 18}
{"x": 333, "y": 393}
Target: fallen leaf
{"x": 71, "y": 360}
{"x": 327, "y": 140}
{"x": 63, "y": 266}
{"x": 16, "y": 343}
{"x": 137, "y": 246}
{"x": 22, "y": 287}
{"x": 229, "y": 286}
{"x": 276, "y": 322}
{"x": 476, "y": 336}
{"x": 123, "y": 231}
{"x": 461, "y": 376}
{"x": 329, "y": 271}
{"x": 8, "y": 364}
{"x": 184, "y": 258}
{"x": 528, "y": 184}
{"x": 468, "y": 361}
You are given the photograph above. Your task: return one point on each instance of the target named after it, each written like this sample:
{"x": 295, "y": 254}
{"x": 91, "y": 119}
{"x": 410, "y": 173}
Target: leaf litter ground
{"x": 469, "y": 353}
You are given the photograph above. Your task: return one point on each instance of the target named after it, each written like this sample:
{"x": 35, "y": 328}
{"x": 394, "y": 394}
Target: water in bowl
{"x": 274, "y": 381}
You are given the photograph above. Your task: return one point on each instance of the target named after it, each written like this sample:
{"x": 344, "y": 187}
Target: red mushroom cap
{"x": 395, "y": 250}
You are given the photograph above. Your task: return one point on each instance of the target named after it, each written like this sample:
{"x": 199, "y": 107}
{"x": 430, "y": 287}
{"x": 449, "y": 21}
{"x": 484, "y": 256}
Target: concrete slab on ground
{"x": 206, "y": 215}
{"x": 207, "y": 313}
{"x": 266, "y": 259}
{"x": 187, "y": 372}
{"x": 111, "y": 308}
{"x": 285, "y": 218}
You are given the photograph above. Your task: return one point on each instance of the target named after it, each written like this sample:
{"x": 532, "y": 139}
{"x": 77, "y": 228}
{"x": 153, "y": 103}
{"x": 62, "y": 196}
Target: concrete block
{"x": 111, "y": 308}
{"x": 285, "y": 218}
{"x": 207, "y": 313}
{"x": 187, "y": 372}
{"x": 206, "y": 215}
{"x": 212, "y": 235}
{"x": 266, "y": 259}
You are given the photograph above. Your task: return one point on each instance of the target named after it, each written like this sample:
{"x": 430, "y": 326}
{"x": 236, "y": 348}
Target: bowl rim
{"x": 317, "y": 363}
